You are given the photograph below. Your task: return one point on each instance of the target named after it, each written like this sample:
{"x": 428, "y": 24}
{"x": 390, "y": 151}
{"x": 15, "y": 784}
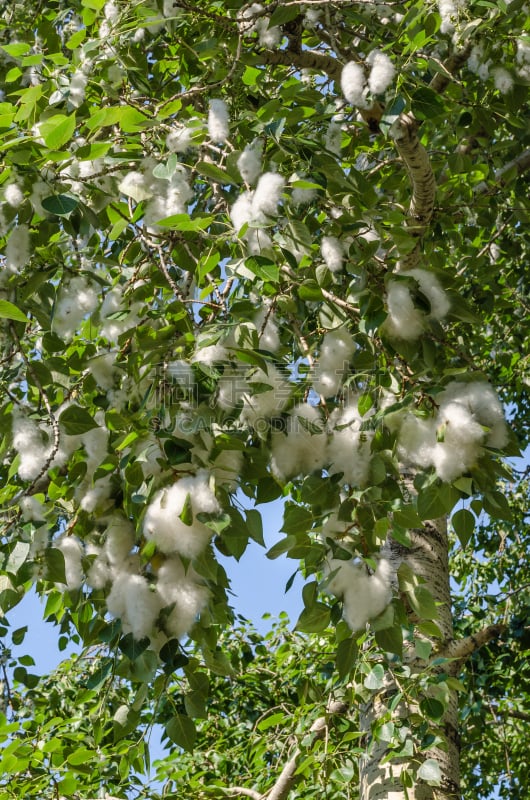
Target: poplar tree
{"x": 253, "y": 252}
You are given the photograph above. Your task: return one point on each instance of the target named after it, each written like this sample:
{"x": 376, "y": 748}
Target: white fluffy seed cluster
{"x": 405, "y": 321}
{"x": 76, "y": 300}
{"x": 117, "y": 314}
{"x": 356, "y": 83}
{"x": 349, "y": 448}
{"x": 365, "y": 596}
{"x": 164, "y": 524}
{"x": 332, "y": 251}
{"x": 249, "y": 162}
{"x": 18, "y": 249}
{"x": 218, "y": 121}
{"x": 257, "y": 208}
{"x": 503, "y": 79}
{"x": 302, "y": 448}
{"x": 469, "y": 418}
{"x": 32, "y": 446}
{"x": 137, "y": 598}
{"x": 255, "y": 21}
{"x": 335, "y": 354}
{"x": 164, "y": 197}
{"x": 310, "y": 443}
{"x": 37, "y": 451}
{"x": 13, "y": 195}
{"x": 180, "y": 140}
{"x": 449, "y": 11}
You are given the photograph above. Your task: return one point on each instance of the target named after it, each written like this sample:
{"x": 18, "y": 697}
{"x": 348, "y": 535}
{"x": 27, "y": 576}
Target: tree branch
{"x": 234, "y": 791}
{"x": 287, "y": 778}
{"x": 461, "y": 649}
{"x": 453, "y": 64}
{"x": 416, "y": 159}
{"x": 521, "y": 164}
{"x": 307, "y": 59}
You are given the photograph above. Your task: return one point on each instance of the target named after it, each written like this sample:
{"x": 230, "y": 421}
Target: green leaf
{"x": 463, "y": 522}
{"x": 429, "y": 628}
{"x": 426, "y": 103}
{"x": 430, "y": 772}
{"x": 100, "y": 674}
{"x": 55, "y": 566}
{"x": 390, "y": 640}
{"x": 195, "y": 705}
{"x": 81, "y": 756}
{"x": 384, "y": 732}
{"x": 23, "y": 676}
{"x": 16, "y": 49}
{"x": 263, "y": 268}
{"x": 250, "y": 76}
{"x": 167, "y": 170}
{"x": 186, "y": 515}
{"x": 422, "y": 602}
{"x": 10, "y": 311}
{"x": 281, "y": 547}
{"x": 423, "y": 648}
{"x": 67, "y": 785}
{"x": 436, "y": 501}
{"x": 183, "y": 222}
{"x": 314, "y": 620}
{"x": 57, "y": 130}
{"x": 310, "y": 291}
{"x": 181, "y": 730}
{"x": 283, "y": 14}
{"x": 272, "y": 721}
{"x": 76, "y": 39}
{"x": 76, "y": 420}
{"x": 407, "y": 517}
{"x": 365, "y": 403}
{"x": 375, "y": 678}
{"x": 132, "y": 647}
{"x": 346, "y": 657}
{"x": 17, "y": 557}
{"x": 255, "y": 525}
{"x": 432, "y": 708}
{"x": 133, "y": 121}
{"x": 17, "y": 636}
{"x": 296, "y": 519}
{"x": 60, "y": 204}
{"x": 213, "y": 171}
{"x": 497, "y": 506}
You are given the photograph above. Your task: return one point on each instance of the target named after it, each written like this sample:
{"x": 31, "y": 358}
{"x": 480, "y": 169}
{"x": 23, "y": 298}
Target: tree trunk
{"x": 381, "y": 779}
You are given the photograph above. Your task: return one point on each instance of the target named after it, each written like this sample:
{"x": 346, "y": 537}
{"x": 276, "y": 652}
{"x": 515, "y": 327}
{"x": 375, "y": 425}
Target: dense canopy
{"x": 249, "y": 252}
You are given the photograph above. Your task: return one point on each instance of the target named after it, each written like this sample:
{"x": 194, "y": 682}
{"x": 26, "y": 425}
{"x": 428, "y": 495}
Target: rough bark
{"x": 416, "y": 159}
{"x": 453, "y": 64}
{"x": 428, "y": 559}
{"x": 306, "y": 59}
